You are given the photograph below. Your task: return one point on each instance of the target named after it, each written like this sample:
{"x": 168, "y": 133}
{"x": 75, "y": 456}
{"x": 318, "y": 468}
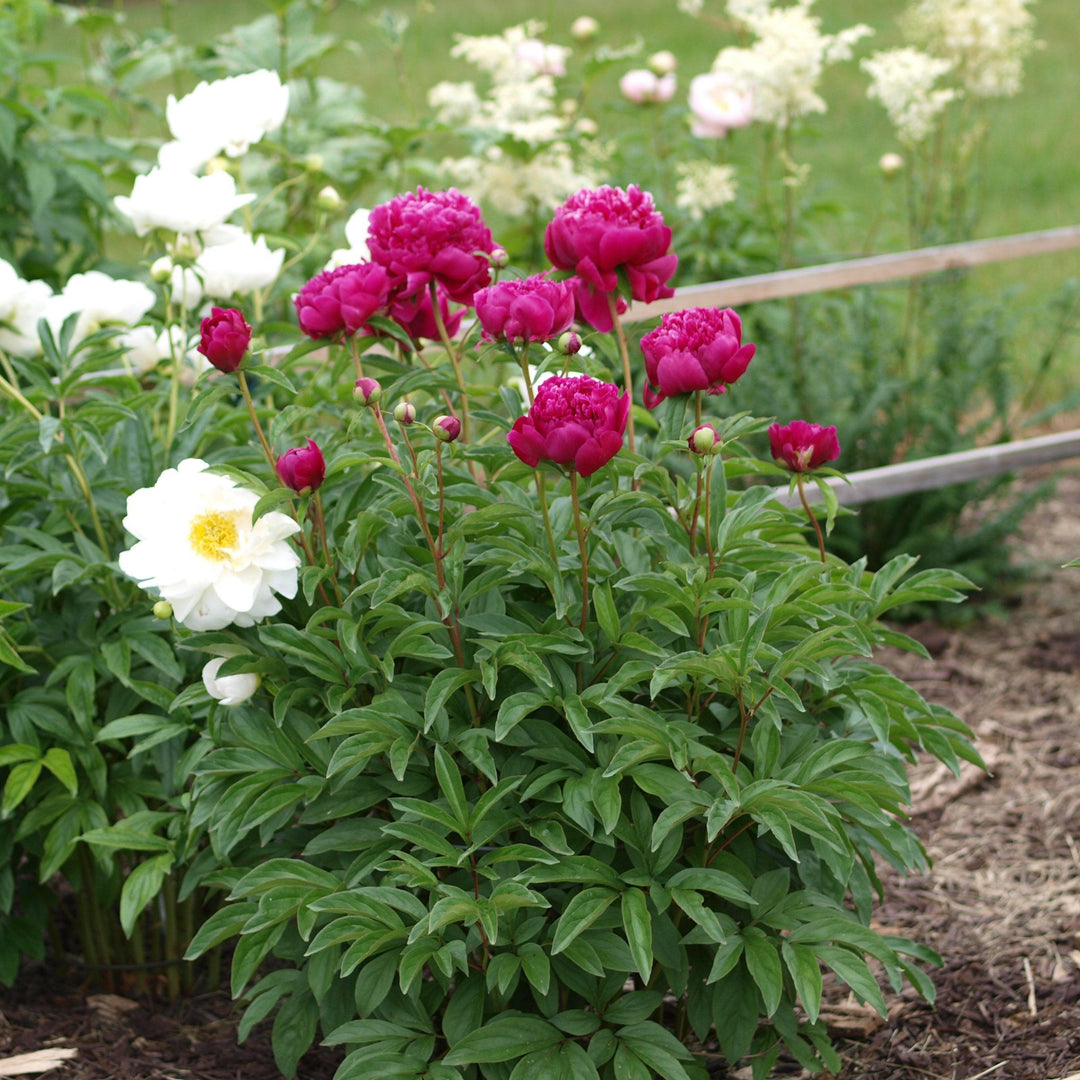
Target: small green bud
{"x": 405, "y": 412}
{"x": 314, "y": 163}
{"x": 328, "y": 199}
{"x": 161, "y": 269}
{"x": 446, "y": 428}
{"x": 704, "y": 440}
{"x": 569, "y": 344}
{"x": 163, "y": 610}
{"x": 367, "y": 392}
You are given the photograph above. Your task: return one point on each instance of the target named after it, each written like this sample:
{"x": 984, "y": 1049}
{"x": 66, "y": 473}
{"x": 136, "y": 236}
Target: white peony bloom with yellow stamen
{"x": 197, "y": 545}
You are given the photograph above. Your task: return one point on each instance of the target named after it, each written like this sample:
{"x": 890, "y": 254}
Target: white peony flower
{"x": 239, "y": 266}
{"x": 177, "y": 200}
{"x": 197, "y": 546}
{"x": 145, "y": 348}
{"x": 356, "y": 233}
{"x": 230, "y": 689}
{"x": 717, "y": 104}
{"x": 185, "y": 288}
{"x": 184, "y": 156}
{"x": 101, "y": 301}
{"x": 229, "y": 114}
{"x": 22, "y": 304}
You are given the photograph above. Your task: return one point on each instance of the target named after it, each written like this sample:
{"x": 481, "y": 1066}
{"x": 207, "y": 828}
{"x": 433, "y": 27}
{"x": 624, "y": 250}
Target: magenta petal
{"x": 679, "y": 373}
{"x": 526, "y": 441}
{"x": 592, "y": 307}
{"x": 563, "y": 443}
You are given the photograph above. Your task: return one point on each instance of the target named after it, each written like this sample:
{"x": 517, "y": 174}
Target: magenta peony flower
{"x": 432, "y": 235}
{"x": 302, "y": 468}
{"x": 577, "y": 422}
{"x": 802, "y": 446}
{"x": 337, "y": 303}
{"x": 525, "y": 309}
{"x": 224, "y": 337}
{"x": 598, "y": 232}
{"x": 695, "y": 349}
{"x": 416, "y": 316}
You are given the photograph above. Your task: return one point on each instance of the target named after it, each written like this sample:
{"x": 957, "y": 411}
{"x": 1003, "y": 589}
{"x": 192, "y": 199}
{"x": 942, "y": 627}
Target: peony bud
{"x": 328, "y": 199}
{"x": 446, "y": 428}
{"x": 802, "y": 446}
{"x": 890, "y": 164}
{"x": 231, "y": 689}
{"x": 499, "y": 258}
{"x": 314, "y": 163}
{"x": 588, "y": 127}
{"x": 302, "y": 468}
{"x": 162, "y": 610}
{"x": 161, "y": 269}
{"x": 569, "y": 344}
{"x": 186, "y": 247}
{"x": 704, "y": 439}
{"x": 405, "y": 412}
{"x": 217, "y": 164}
{"x": 367, "y": 392}
{"x": 224, "y": 338}
{"x": 568, "y": 106}
{"x": 663, "y": 62}
{"x": 584, "y": 28}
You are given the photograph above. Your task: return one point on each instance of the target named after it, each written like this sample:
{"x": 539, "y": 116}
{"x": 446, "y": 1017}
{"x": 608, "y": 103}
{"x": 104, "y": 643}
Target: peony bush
{"x": 521, "y": 752}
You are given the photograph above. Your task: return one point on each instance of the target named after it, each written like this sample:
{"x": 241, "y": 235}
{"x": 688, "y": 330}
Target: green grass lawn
{"x": 1030, "y": 178}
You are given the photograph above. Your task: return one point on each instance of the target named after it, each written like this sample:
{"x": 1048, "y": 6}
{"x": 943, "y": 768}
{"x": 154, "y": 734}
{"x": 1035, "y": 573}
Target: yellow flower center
{"x": 213, "y": 535}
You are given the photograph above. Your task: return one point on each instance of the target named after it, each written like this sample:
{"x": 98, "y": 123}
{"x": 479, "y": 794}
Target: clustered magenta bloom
{"x": 224, "y": 337}
{"x": 416, "y": 316}
{"x": 197, "y": 545}
{"x": 302, "y": 468}
{"x": 802, "y": 446}
{"x": 427, "y": 236}
{"x": 577, "y": 422}
{"x": 696, "y": 349}
{"x": 337, "y": 303}
{"x": 525, "y": 309}
{"x": 599, "y": 231}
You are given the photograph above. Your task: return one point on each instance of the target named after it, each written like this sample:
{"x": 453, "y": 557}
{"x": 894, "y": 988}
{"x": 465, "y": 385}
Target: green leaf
{"x": 637, "y": 924}
{"x": 272, "y": 375}
{"x": 18, "y": 785}
{"x": 582, "y": 911}
{"x": 58, "y": 762}
{"x": 802, "y": 963}
{"x": 450, "y": 785}
{"x": 763, "y": 963}
{"x": 504, "y": 1039}
{"x": 140, "y": 887}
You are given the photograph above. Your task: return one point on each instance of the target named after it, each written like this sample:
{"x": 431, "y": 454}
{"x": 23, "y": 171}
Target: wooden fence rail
{"x": 908, "y": 476}
{"x": 869, "y": 271}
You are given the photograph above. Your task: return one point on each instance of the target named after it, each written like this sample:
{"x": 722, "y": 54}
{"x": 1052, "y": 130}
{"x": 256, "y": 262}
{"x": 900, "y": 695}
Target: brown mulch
{"x": 1001, "y": 902}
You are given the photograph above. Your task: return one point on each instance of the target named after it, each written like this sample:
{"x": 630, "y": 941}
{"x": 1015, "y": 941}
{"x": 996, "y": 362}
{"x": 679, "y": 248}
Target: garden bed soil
{"x": 1001, "y": 903}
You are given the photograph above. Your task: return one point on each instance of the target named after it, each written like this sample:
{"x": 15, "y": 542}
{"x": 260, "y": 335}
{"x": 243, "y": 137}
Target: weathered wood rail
{"x": 908, "y": 476}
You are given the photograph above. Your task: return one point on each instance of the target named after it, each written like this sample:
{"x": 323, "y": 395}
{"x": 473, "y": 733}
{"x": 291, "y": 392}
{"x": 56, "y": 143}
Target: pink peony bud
{"x": 569, "y": 344}
{"x": 337, "y": 303}
{"x": 367, "y": 392}
{"x": 598, "y": 232}
{"x": 576, "y": 422}
{"x": 695, "y": 349}
{"x": 644, "y": 87}
{"x": 525, "y": 309}
{"x": 302, "y": 468}
{"x": 802, "y": 446}
{"x": 224, "y": 337}
{"x": 704, "y": 439}
{"x": 446, "y": 428}
{"x": 405, "y": 412}
{"x": 663, "y": 62}
{"x": 432, "y": 235}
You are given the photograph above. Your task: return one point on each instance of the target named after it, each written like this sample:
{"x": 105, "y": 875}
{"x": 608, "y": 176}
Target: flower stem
{"x": 242, "y": 379}
{"x": 320, "y": 527}
{"x": 624, "y": 352}
{"x": 355, "y": 349}
{"x": 541, "y": 492}
{"x": 455, "y": 360}
{"x": 582, "y": 548}
{"x": 810, "y": 515}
